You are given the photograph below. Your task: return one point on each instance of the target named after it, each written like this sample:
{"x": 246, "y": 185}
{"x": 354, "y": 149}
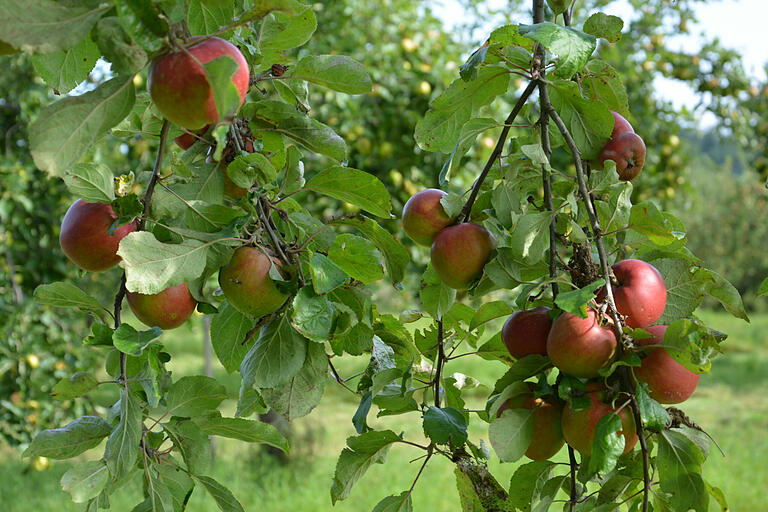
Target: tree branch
{"x": 440, "y": 361}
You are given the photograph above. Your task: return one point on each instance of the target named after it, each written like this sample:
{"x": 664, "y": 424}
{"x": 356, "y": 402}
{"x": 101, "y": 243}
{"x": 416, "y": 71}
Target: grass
{"x": 731, "y": 404}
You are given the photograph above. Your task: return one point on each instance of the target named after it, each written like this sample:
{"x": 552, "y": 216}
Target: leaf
{"x": 44, "y": 26}
{"x": 223, "y": 497}
{"x": 326, "y": 275}
{"x": 253, "y": 167}
{"x": 511, "y": 433}
{"x": 445, "y": 425}
{"x": 193, "y": 444}
{"x": 679, "y": 463}
{"x": 65, "y": 130}
{"x": 506, "y": 202}
{"x": 436, "y": 296}
{"x": 178, "y": 483}
{"x": 298, "y": 396}
{"x": 130, "y": 341}
{"x": 260, "y": 8}
{"x": 357, "y": 257}
{"x": 528, "y": 480}
{"x": 530, "y": 239}
{"x": 721, "y": 289}
{"x": 602, "y": 82}
{"x": 152, "y": 266}
{"x": 685, "y": 291}
{"x": 466, "y": 140}
{"x": 654, "y": 415}
{"x": 313, "y": 315}
{"x": 242, "y": 429}
{"x": 588, "y": 122}
{"x": 117, "y": 46}
{"x": 362, "y": 451}
{"x": 607, "y": 444}
{"x": 572, "y": 46}
{"x": 64, "y": 69}
{"x": 360, "y": 418}
{"x": 647, "y": 219}
{"x": 66, "y": 295}
{"x": 93, "y": 183}
{"x": 490, "y": 311}
{"x": 72, "y": 387}
{"x": 204, "y": 17}
{"x": 194, "y": 395}
{"x": 276, "y": 356}
{"x": 441, "y": 126}
{"x": 122, "y": 447}
{"x": 219, "y": 73}
{"x": 287, "y": 32}
{"x": 228, "y": 330}
{"x": 400, "y": 503}
{"x": 523, "y": 368}
{"x": 763, "y": 292}
{"x": 73, "y": 439}
{"x": 575, "y": 301}
{"x": 85, "y": 480}
{"x": 603, "y": 25}
{"x": 336, "y": 72}
{"x": 558, "y": 6}
{"x": 354, "y": 187}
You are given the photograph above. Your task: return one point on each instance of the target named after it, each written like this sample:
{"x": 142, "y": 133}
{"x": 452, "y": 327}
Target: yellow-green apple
{"x": 668, "y": 381}
{"x": 547, "y": 423}
{"x": 580, "y": 346}
{"x": 247, "y": 285}
{"x": 84, "y": 237}
{"x": 424, "y": 216}
{"x": 460, "y": 252}
{"x": 525, "y": 332}
{"x": 167, "y": 309}
{"x": 641, "y": 294}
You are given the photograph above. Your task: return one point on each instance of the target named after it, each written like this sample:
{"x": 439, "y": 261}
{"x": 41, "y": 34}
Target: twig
{"x": 421, "y": 470}
{"x": 337, "y": 376}
{"x": 440, "y": 361}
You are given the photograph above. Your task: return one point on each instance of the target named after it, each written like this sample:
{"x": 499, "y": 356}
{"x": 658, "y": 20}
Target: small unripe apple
{"x": 526, "y": 332}
{"x": 579, "y": 426}
{"x": 669, "y": 382}
{"x": 580, "y": 346}
{"x": 180, "y": 89}
{"x": 628, "y": 152}
{"x": 424, "y": 216}
{"x": 641, "y": 294}
{"x": 460, "y": 252}
{"x": 247, "y": 285}
{"x": 547, "y": 424}
{"x": 84, "y": 238}
{"x": 167, "y": 310}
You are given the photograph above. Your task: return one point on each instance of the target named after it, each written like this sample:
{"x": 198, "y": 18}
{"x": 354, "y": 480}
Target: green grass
{"x": 731, "y": 404}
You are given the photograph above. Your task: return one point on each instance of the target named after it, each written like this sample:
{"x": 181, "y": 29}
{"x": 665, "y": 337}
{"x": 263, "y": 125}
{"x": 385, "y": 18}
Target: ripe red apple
{"x": 185, "y": 140}
{"x": 547, "y": 423}
{"x": 460, "y": 252}
{"x": 424, "y": 216}
{"x": 84, "y": 238}
{"x": 247, "y": 285}
{"x": 580, "y": 346}
{"x": 526, "y": 332}
{"x": 628, "y": 152}
{"x": 579, "y": 426}
{"x": 180, "y": 89}
{"x": 620, "y": 125}
{"x": 167, "y": 310}
{"x": 641, "y": 294}
{"x": 668, "y": 381}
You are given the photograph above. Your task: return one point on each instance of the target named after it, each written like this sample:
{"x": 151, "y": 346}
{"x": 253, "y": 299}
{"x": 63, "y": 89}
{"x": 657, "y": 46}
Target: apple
{"x": 641, "y": 294}
{"x": 84, "y": 238}
{"x": 669, "y": 382}
{"x": 424, "y": 216}
{"x": 547, "y": 423}
{"x": 628, "y": 152}
{"x": 247, "y": 285}
{"x": 579, "y": 426}
{"x": 179, "y": 87}
{"x": 620, "y": 125}
{"x": 167, "y": 309}
{"x": 580, "y": 346}
{"x": 526, "y": 332}
{"x": 185, "y": 140}
{"x": 460, "y": 252}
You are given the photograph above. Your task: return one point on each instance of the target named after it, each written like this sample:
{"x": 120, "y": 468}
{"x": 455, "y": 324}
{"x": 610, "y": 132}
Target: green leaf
{"x": 298, "y": 396}
{"x": 529, "y": 479}
{"x": 358, "y": 257}
{"x": 152, "y": 266}
{"x": 260, "y": 8}
{"x": 122, "y": 449}
{"x": 572, "y": 46}
{"x": 490, "y": 311}
{"x": 721, "y": 289}
{"x": 360, "y": 418}
{"x": 73, "y": 439}
{"x": 228, "y": 330}
{"x": 194, "y": 395}
{"x": 250, "y": 402}
{"x": 72, "y": 387}
{"x": 326, "y": 275}
{"x": 530, "y": 239}
{"x": 355, "y": 187}
{"x": 685, "y": 291}
{"x": 602, "y": 82}
{"x": 575, "y": 301}
{"x": 679, "y": 462}
{"x": 588, "y": 122}
{"x": 65, "y": 130}
{"x": 219, "y": 73}
{"x": 763, "y": 292}
{"x": 93, "y": 183}
{"x": 276, "y": 356}
{"x": 441, "y": 127}
{"x": 244, "y": 430}
{"x": 64, "y": 69}
{"x": 223, "y": 497}
{"x": 85, "y": 480}
{"x": 690, "y": 344}
{"x": 607, "y": 444}
{"x": 506, "y": 202}
{"x": 132, "y": 342}
{"x": 558, "y": 6}
{"x": 466, "y": 140}
{"x": 523, "y": 368}
{"x": 179, "y": 484}
{"x": 445, "y": 426}
{"x": 204, "y": 17}
{"x": 193, "y": 444}
{"x": 336, "y": 72}
{"x": 287, "y": 32}
{"x": 253, "y": 167}
{"x": 313, "y": 315}
{"x": 511, "y": 433}
{"x": 436, "y": 296}
{"x": 646, "y": 219}
{"x": 66, "y": 295}
{"x": 44, "y": 26}
{"x": 362, "y": 451}
{"x": 400, "y": 503}
{"x": 605, "y": 26}
{"x": 117, "y": 46}
{"x": 654, "y": 415}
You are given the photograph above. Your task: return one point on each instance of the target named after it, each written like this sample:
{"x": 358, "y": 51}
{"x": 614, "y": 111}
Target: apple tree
{"x": 600, "y": 293}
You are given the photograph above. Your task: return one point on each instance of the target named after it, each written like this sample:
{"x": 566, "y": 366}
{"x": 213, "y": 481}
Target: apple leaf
{"x": 441, "y": 127}
{"x": 600, "y": 81}
{"x": 220, "y": 494}
{"x": 691, "y": 345}
{"x": 242, "y": 429}
{"x": 66, "y": 295}
{"x": 276, "y": 356}
{"x": 655, "y": 417}
{"x": 250, "y": 402}
{"x": 511, "y": 433}
{"x": 132, "y": 342}
{"x": 326, "y": 275}
{"x": 648, "y": 220}
{"x": 64, "y": 69}
{"x": 260, "y": 8}
{"x": 530, "y": 239}
{"x": 603, "y": 25}
{"x": 522, "y": 369}
{"x": 313, "y": 315}
{"x": 572, "y": 46}
{"x": 72, "y": 439}
{"x": 721, "y": 289}
{"x": 575, "y": 302}
{"x": 679, "y": 463}
{"x": 763, "y": 292}
{"x": 204, "y": 17}
{"x": 122, "y": 449}
{"x": 358, "y": 257}
{"x": 362, "y": 451}
{"x": 72, "y": 387}
{"x": 63, "y": 131}
{"x": 219, "y": 72}
{"x": 336, "y": 72}
{"x": 436, "y": 296}
{"x": 253, "y": 167}
{"x": 193, "y": 444}
{"x": 92, "y": 182}
{"x": 355, "y": 187}
{"x": 228, "y": 330}
{"x": 297, "y": 397}
{"x": 607, "y": 444}
{"x": 490, "y": 311}
{"x": 194, "y": 395}
{"x": 528, "y": 480}
{"x": 469, "y": 133}
{"x": 118, "y": 48}
{"x": 589, "y": 122}
{"x": 85, "y": 480}
{"x": 400, "y": 503}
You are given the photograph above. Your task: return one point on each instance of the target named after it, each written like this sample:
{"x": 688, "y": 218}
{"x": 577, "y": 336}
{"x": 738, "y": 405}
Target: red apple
{"x": 167, "y": 310}
{"x": 668, "y": 381}
{"x": 185, "y": 140}
{"x": 620, "y": 125}
{"x": 628, "y": 152}
{"x": 180, "y": 89}
{"x": 579, "y": 426}
{"x": 460, "y": 252}
{"x": 580, "y": 346}
{"x": 247, "y": 285}
{"x": 424, "y": 216}
{"x": 84, "y": 238}
{"x": 526, "y": 332}
{"x": 547, "y": 417}
{"x": 641, "y": 294}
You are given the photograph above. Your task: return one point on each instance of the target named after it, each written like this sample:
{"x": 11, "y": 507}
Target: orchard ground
{"x": 730, "y": 403}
